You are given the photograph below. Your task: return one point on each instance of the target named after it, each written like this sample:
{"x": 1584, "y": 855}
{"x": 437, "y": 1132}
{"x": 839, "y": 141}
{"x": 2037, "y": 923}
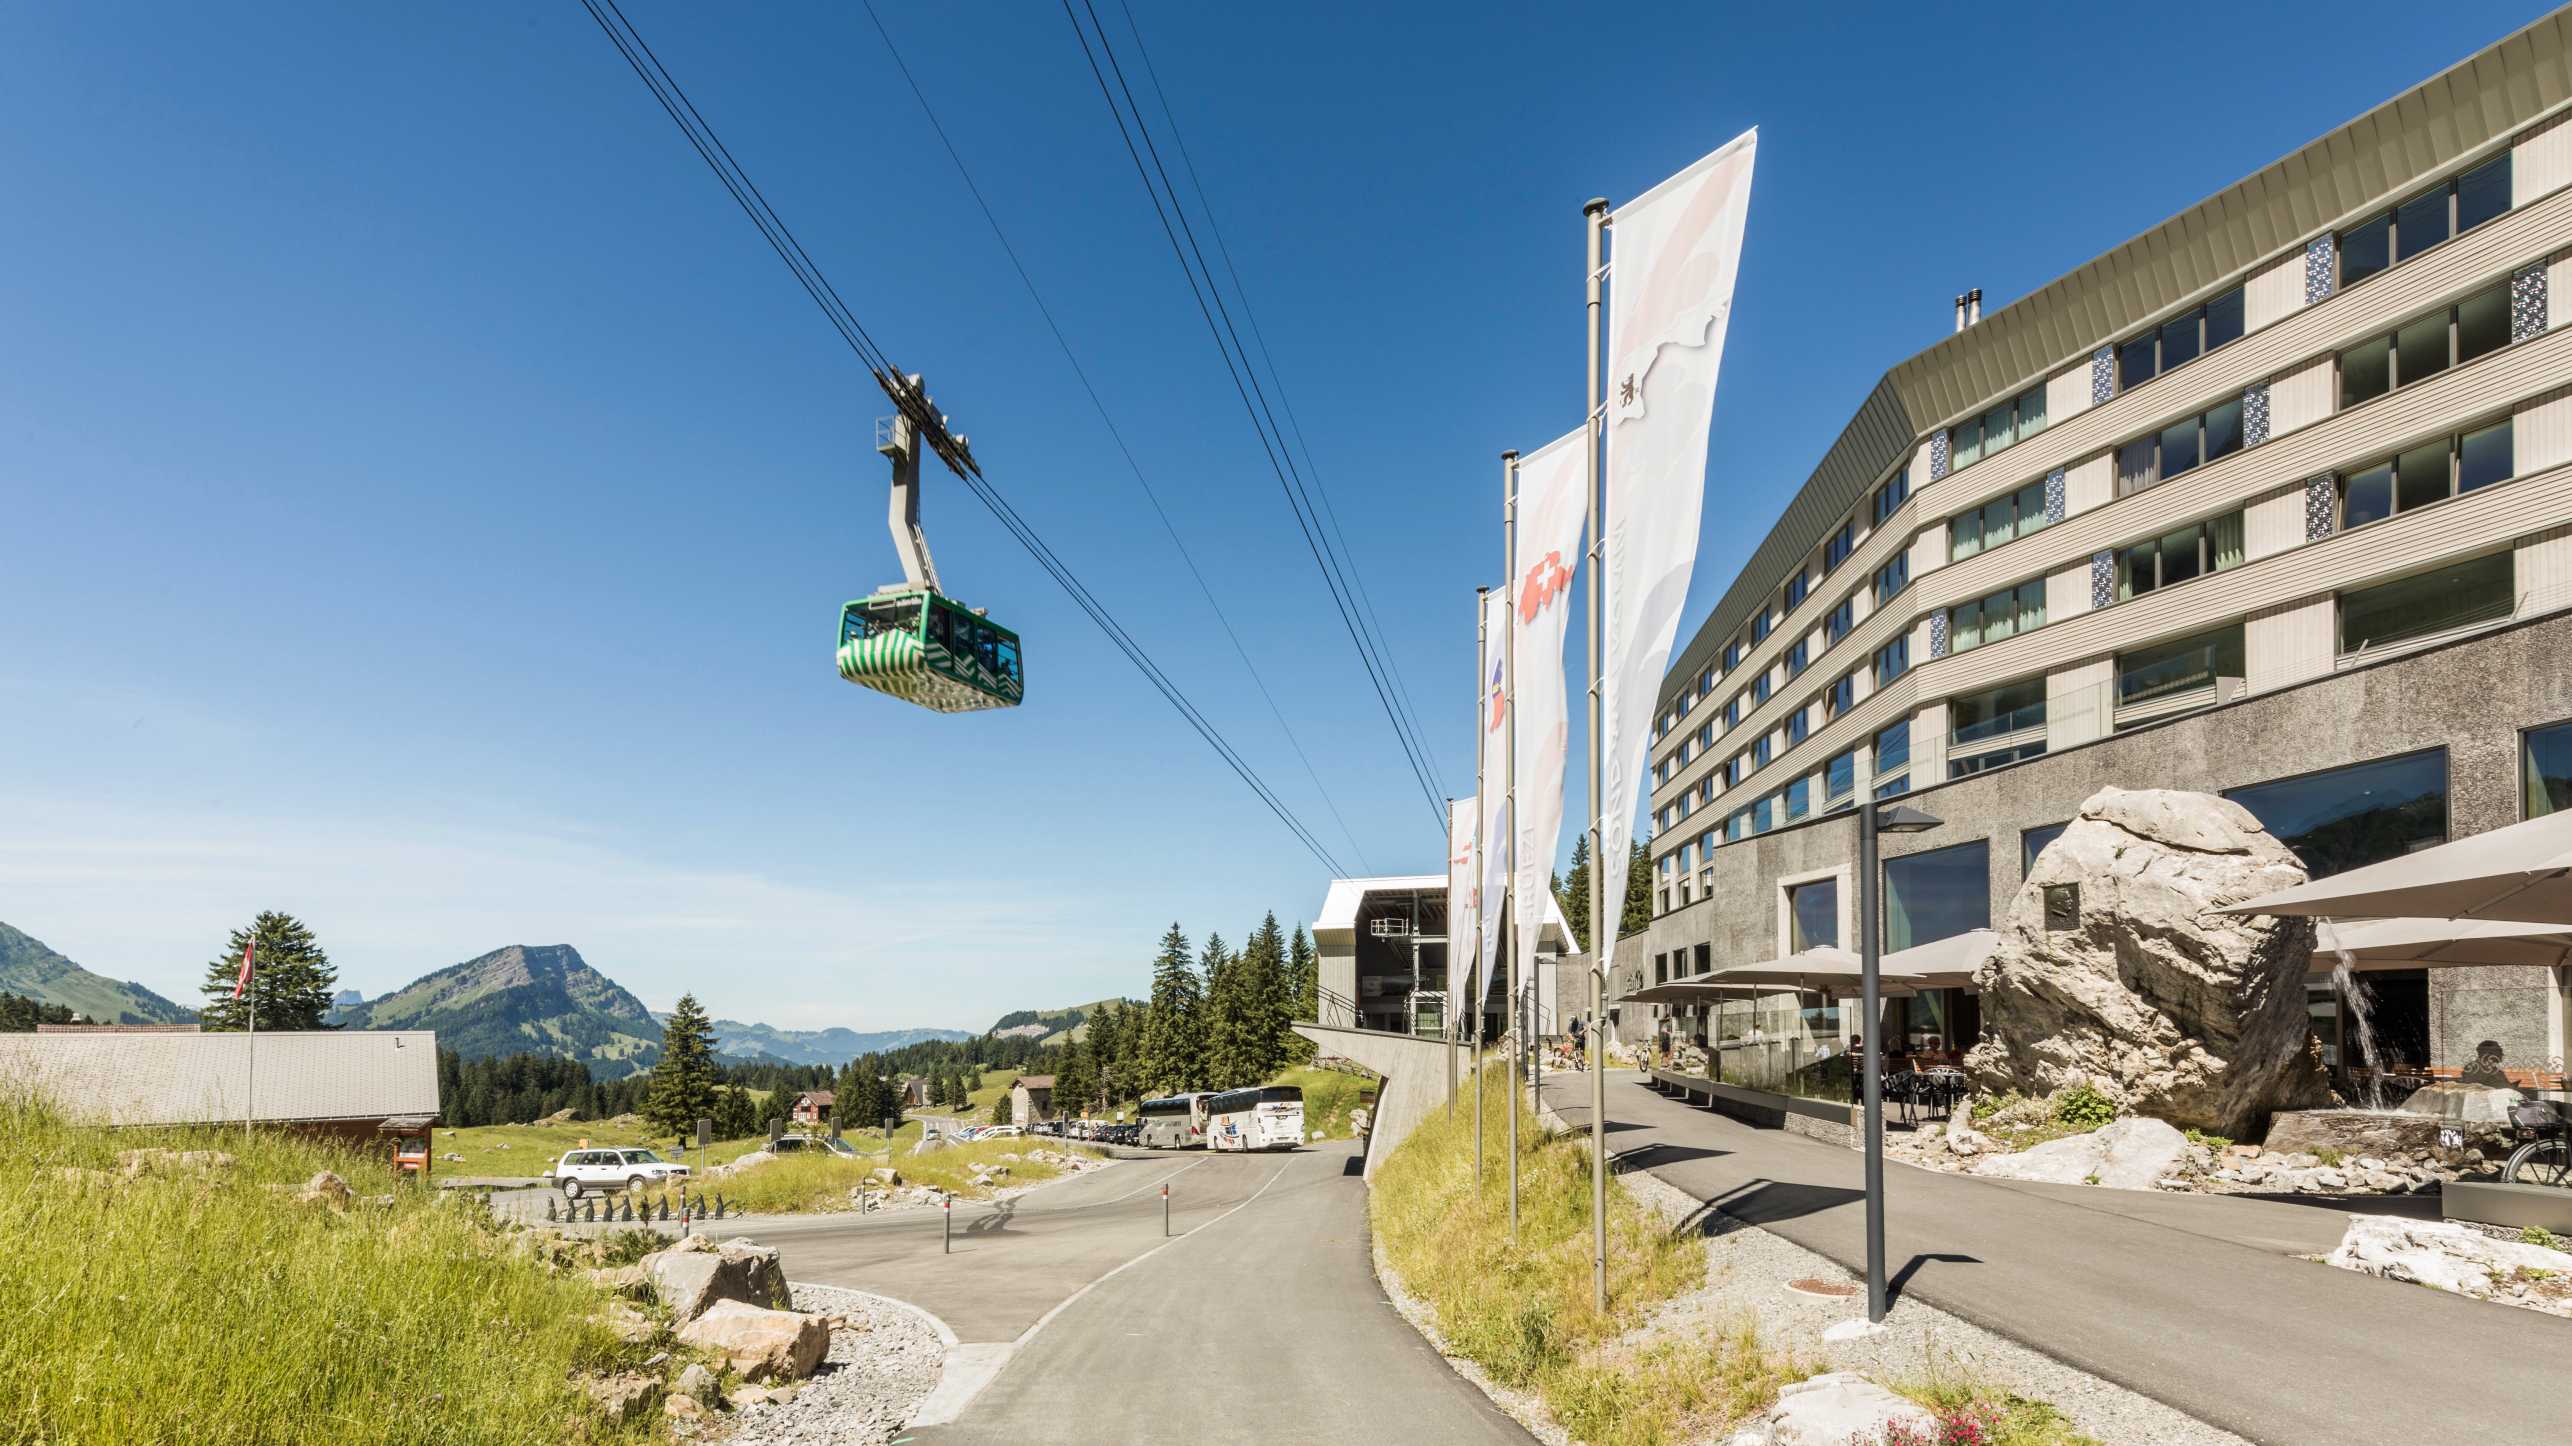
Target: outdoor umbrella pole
{"x": 1870, "y": 989}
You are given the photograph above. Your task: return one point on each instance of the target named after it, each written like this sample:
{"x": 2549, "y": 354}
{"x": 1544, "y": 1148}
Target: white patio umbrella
{"x": 1822, "y": 969}
{"x": 2520, "y": 873}
{"x": 2438, "y": 943}
{"x": 1948, "y": 963}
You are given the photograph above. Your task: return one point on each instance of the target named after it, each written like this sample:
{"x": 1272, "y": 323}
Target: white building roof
{"x": 188, "y": 1079}
{"x": 1338, "y": 919}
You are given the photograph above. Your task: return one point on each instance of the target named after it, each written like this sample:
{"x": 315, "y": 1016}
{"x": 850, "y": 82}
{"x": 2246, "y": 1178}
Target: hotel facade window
{"x": 2459, "y": 595}
{"x": 2546, "y": 763}
{"x": 2032, "y": 842}
{"x": 1798, "y": 587}
{"x": 1837, "y": 550}
{"x": 2006, "y": 709}
{"x": 2453, "y": 206}
{"x": 1799, "y": 724}
{"x": 2183, "y": 446}
{"x": 2004, "y": 614}
{"x": 2424, "y": 346}
{"x": 1889, "y": 497}
{"x": 1798, "y": 798}
{"x": 2010, "y": 515}
{"x": 1892, "y": 578}
{"x": 1936, "y": 895}
{"x": 1759, "y": 626}
{"x": 1891, "y": 765}
{"x": 2434, "y": 471}
{"x": 2214, "y": 545}
{"x": 1813, "y": 915}
{"x": 1837, "y": 622}
{"x": 1799, "y": 657}
{"x": 1999, "y": 429}
{"x": 2347, "y": 818}
{"x": 2172, "y": 669}
{"x": 1840, "y": 775}
{"x": 1892, "y": 660}
{"x": 1837, "y": 698}
{"x": 2180, "y": 340}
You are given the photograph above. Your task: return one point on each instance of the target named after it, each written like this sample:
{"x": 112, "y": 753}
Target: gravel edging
{"x": 878, "y": 1371}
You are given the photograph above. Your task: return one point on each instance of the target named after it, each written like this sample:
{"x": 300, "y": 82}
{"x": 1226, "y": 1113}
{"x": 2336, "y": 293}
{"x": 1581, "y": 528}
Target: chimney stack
{"x": 1960, "y": 311}
{"x": 1969, "y": 308}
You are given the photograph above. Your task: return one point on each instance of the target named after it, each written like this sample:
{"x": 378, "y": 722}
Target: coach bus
{"x": 1270, "y": 1118}
{"x": 1173, "y": 1122}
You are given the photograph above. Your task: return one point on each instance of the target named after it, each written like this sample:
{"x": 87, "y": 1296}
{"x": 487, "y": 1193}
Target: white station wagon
{"x": 605, "y": 1171}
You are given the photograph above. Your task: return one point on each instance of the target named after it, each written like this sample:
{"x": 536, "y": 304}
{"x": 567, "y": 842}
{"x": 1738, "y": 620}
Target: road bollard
{"x": 947, "y": 1212}
{"x": 1165, "y": 1209}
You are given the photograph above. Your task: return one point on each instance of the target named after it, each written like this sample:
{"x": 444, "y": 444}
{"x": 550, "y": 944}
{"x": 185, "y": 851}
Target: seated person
{"x": 2486, "y": 1069}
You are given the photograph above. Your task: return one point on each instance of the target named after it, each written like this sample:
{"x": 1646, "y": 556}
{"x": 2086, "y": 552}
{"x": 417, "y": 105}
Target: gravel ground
{"x": 876, "y": 1373}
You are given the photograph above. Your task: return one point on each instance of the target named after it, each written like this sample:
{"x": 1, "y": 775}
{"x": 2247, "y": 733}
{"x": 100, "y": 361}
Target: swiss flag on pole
{"x": 241, "y": 985}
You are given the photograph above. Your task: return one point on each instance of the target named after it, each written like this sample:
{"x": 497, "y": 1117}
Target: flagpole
{"x": 1521, "y": 1030}
{"x": 1475, "y": 985}
{"x": 249, "y": 972}
{"x": 1591, "y": 404}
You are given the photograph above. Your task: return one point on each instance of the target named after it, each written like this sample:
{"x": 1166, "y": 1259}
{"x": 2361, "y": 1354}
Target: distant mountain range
{"x": 539, "y": 998}
{"x": 32, "y": 971}
{"x": 766, "y": 1043}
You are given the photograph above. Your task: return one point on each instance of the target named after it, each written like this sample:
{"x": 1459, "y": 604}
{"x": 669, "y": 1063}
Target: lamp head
{"x": 1903, "y": 818}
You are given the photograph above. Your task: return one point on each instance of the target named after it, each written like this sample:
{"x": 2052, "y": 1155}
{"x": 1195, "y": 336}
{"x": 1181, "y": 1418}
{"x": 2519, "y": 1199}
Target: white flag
{"x": 1677, "y": 252}
{"x": 1461, "y": 878}
{"x": 1551, "y": 509}
{"x": 1494, "y": 827}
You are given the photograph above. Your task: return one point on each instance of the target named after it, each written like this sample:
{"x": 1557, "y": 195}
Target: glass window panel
{"x": 2134, "y": 466}
{"x": 2000, "y": 521}
{"x": 1965, "y": 535}
{"x": 2429, "y": 602}
{"x": 2548, "y": 769}
{"x": 1815, "y": 910}
{"x": 1893, "y": 787}
{"x": 2031, "y": 413}
{"x": 2224, "y": 319}
{"x": 2228, "y": 550}
{"x": 1965, "y": 627}
{"x": 2031, "y": 604}
{"x": 2000, "y": 619}
{"x": 2366, "y": 497}
{"x": 1799, "y": 799}
{"x": 2420, "y": 349}
{"x": 2135, "y": 362}
{"x": 2420, "y": 476}
{"x": 1840, "y": 775}
{"x": 2224, "y": 431}
{"x": 2483, "y": 193}
{"x": 2178, "y": 447}
{"x": 2179, "y": 341}
{"x": 2350, "y": 817}
{"x": 2482, "y": 324}
{"x": 2366, "y": 370}
{"x": 2420, "y": 224}
{"x": 2485, "y": 457}
{"x": 2137, "y": 571}
{"x": 1762, "y": 815}
{"x": 1893, "y": 748}
{"x": 2031, "y": 507}
{"x": 1967, "y": 444}
{"x": 2181, "y": 555}
{"x": 2366, "y": 250}
{"x": 1936, "y": 895}
{"x": 2000, "y": 427}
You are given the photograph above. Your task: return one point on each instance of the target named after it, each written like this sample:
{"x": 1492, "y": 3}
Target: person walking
{"x": 1580, "y": 1044}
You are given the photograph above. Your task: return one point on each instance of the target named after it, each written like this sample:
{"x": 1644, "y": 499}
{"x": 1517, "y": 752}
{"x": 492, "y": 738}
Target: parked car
{"x": 580, "y": 1172}
{"x": 1001, "y": 1132}
{"x": 795, "y": 1144}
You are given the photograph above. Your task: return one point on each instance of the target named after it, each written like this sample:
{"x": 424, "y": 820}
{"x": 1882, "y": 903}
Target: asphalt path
{"x": 2196, "y": 1301}
{"x": 1259, "y": 1322}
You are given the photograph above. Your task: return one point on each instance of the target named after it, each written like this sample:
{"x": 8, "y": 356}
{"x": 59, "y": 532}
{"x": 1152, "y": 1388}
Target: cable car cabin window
{"x": 938, "y": 626}
{"x": 1008, "y": 654}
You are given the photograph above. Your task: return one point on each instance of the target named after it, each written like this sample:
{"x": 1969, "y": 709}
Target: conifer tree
{"x": 1229, "y": 1053}
{"x": 1172, "y": 1057}
{"x": 1264, "y": 990}
{"x": 1073, "y": 1079}
{"x": 291, "y": 979}
{"x": 683, "y": 1083}
{"x": 1304, "y": 990}
{"x": 1573, "y": 893}
{"x": 1637, "y": 914}
{"x": 1109, "y": 1045}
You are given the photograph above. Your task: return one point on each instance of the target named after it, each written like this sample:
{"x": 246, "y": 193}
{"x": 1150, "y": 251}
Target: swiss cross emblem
{"x": 1625, "y": 390}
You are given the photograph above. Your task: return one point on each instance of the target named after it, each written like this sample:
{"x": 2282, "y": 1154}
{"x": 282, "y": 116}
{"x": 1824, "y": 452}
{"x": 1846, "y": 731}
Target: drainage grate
{"x": 1827, "y": 1289}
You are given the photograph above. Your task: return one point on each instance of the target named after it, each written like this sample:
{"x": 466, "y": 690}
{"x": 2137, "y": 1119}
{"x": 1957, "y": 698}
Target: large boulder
{"x": 2442, "y": 1255}
{"x": 761, "y": 1344}
{"x": 2176, "y": 1011}
{"x": 1834, "y": 1409}
{"x": 2130, "y": 1154}
{"x": 695, "y": 1274}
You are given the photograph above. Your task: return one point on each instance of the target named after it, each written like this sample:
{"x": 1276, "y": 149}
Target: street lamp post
{"x": 1872, "y": 820}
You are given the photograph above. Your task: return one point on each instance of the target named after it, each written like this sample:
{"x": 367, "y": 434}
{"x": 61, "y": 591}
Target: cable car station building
{"x": 1382, "y": 944}
{"x": 2273, "y": 501}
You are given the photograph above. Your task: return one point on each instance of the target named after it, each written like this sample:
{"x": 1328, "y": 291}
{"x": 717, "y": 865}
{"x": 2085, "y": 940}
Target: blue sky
{"x": 424, "y": 502}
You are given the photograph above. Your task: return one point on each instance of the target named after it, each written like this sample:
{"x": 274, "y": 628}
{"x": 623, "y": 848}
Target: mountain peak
{"x": 30, "y": 969}
{"x": 523, "y": 998}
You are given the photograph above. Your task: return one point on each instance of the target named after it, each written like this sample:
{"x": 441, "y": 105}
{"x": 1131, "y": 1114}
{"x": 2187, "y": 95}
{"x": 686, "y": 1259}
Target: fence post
{"x": 1165, "y": 1209}
{"x": 947, "y": 1213}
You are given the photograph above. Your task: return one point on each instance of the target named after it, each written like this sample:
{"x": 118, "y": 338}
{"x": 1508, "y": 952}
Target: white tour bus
{"x": 1173, "y": 1122}
{"x": 1270, "y": 1118}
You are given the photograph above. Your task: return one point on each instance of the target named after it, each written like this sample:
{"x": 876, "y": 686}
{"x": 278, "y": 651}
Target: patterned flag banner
{"x": 1677, "y": 251}
{"x": 1461, "y": 878}
{"x": 1493, "y": 826}
{"x": 1551, "y": 511}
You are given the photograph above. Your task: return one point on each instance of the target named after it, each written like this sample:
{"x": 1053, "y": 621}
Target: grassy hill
{"x": 543, "y": 998}
{"x": 29, "y": 969}
{"x": 1051, "y": 1026}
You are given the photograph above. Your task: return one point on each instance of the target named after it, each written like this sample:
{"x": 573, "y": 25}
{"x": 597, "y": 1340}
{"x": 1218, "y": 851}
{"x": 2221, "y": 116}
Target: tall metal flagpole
{"x": 250, "y": 972}
{"x": 1519, "y": 1029}
{"x": 1596, "y": 212}
{"x": 1477, "y": 985}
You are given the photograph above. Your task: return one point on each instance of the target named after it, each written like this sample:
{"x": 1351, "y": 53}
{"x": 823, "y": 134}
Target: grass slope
{"x": 527, "y": 1150}
{"x": 212, "y": 1309}
{"x": 31, "y": 970}
{"x": 814, "y": 1183}
{"x": 1329, "y": 1095}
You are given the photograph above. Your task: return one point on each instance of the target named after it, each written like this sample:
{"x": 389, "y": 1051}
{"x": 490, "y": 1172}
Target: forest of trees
{"x": 21, "y": 1015}
{"x": 1573, "y": 892}
{"x": 1216, "y": 1018}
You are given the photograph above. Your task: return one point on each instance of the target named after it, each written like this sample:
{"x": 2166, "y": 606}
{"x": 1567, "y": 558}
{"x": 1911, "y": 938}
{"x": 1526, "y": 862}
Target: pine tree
{"x": 1172, "y": 1056}
{"x": 1108, "y": 1044}
{"x": 736, "y": 1115}
{"x": 1229, "y": 1055}
{"x": 1074, "y": 1079}
{"x": 683, "y": 1083}
{"x": 1574, "y": 893}
{"x": 1637, "y": 915}
{"x": 1304, "y": 992}
{"x": 291, "y": 979}
{"x": 1264, "y": 990}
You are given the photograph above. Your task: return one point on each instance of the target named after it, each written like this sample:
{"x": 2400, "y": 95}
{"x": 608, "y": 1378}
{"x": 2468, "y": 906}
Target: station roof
{"x": 301, "y": 1076}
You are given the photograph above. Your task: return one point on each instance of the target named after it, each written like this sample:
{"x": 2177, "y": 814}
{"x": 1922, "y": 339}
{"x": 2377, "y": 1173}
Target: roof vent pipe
{"x": 1974, "y": 301}
{"x": 1960, "y": 311}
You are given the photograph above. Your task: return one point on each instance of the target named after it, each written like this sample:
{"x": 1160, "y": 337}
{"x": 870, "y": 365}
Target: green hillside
{"x": 1050, "y": 1026}
{"x": 30, "y": 969}
{"x": 541, "y": 998}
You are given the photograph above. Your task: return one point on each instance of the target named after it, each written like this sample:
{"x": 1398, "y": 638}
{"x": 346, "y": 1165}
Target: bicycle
{"x": 2546, "y": 1157}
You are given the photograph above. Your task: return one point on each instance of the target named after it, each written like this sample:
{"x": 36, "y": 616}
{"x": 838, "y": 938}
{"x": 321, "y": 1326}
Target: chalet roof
{"x": 192, "y": 1079}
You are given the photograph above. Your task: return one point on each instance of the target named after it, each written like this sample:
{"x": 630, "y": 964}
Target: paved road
{"x": 2196, "y": 1301}
{"x": 1262, "y": 1323}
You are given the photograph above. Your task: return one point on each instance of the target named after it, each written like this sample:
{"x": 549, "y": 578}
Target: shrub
{"x": 2083, "y": 1108}
{"x": 2538, "y": 1235}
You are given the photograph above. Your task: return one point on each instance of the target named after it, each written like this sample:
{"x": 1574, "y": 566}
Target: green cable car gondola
{"x": 911, "y": 641}
{"x": 926, "y": 648}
